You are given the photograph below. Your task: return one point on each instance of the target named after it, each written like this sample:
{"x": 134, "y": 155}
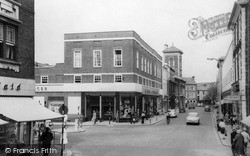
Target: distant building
{"x": 191, "y": 89}
{"x": 202, "y": 92}
{"x": 173, "y": 57}
{"x": 112, "y": 73}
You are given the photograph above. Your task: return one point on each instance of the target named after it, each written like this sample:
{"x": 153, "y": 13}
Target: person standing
{"x": 46, "y": 139}
{"x": 64, "y": 137}
{"x": 222, "y": 127}
{"x": 246, "y": 137}
{"x": 239, "y": 143}
{"x": 11, "y": 144}
{"x": 142, "y": 117}
{"x": 94, "y": 117}
{"x": 233, "y": 134}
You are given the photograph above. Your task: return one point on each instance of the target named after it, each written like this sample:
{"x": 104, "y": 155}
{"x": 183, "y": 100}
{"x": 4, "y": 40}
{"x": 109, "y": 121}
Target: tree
{"x": 211, "y": 93}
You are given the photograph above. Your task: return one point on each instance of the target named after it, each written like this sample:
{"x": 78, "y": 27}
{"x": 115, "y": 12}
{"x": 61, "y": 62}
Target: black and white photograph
{"x": 124, "y": 78}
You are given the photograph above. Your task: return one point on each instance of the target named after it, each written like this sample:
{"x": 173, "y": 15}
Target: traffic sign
{"x": 63, "y": 109}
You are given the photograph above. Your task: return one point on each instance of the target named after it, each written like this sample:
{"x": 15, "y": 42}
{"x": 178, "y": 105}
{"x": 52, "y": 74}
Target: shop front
{"x": 21, "y": 114}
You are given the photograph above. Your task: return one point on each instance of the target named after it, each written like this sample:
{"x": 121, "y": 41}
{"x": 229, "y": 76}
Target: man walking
{"x": 246, "y": 137}
{"x": 46, "y": 139}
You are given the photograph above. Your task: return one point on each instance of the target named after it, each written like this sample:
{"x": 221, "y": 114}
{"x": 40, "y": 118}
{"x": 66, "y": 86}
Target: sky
{"x": 158, "y": 22}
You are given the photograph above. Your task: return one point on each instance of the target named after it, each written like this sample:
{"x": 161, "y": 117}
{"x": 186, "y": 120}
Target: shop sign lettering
{"x": 38, "y": 89}
{"x": 209, "y": 28}
{"x": 12, "y": 87}
{"x": 148, "y": 91}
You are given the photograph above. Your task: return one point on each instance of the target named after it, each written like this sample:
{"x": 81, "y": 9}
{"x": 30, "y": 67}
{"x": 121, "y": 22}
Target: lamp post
{"x": 219, "y": 66}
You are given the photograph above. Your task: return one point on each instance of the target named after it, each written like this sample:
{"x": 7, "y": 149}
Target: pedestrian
{"x": 142, "y": 117}
{"x": 46, "y": 139}
{"x": 233, "y": 134}
{"x": 231, "y": 121}
{"x": 64, "y": 137}
{"x": 239, "y": 147}
{"x": 246, "y": 137}
{"x": 11, "y": 144}
{"x": 94, "y": 117}
{"x": 222, "y": 126}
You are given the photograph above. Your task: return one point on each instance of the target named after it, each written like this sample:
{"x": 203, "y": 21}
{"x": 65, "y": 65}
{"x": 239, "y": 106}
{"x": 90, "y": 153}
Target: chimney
{"x": 165, "y": 46}
{"x": 193, "y": 77}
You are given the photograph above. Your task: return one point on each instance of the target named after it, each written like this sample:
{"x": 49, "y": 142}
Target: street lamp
{"x": 219, "y": 66}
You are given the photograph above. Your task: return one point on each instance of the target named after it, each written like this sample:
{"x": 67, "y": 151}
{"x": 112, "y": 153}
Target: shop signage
{"x": 150, "y": 91}
{"x": 38, "y": 89}
{"x": 15, "y": 86}
{"x": 209, "y": 28}
{"x": 232, "y": 98}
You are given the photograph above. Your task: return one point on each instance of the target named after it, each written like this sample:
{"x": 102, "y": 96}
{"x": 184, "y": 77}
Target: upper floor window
{"x": 97, "y": 58}
{"x": 97, "y": 78}
{"x": 145, "y": 65}
{"x": 137, "y": 59}
{"x": 171, "y": 62}
{"x": 44, "y": 79}
{"x": 118, "y": 78}
{"x": 141, "y": 63}
{"x": 78, "y": 79}
{"x": 118, "y": 58}
{"x": 7, "y": 42}
{"x": 77, "y": 59}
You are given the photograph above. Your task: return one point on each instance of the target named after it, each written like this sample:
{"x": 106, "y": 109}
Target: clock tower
{"x": 173, "y": 57}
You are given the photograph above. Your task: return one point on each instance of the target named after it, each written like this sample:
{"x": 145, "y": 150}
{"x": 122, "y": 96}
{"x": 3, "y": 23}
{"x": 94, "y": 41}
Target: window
{"x": 7, "y": 43}
{"x": 97, "y": 58}
{"x": 141, "y": 63}
{"x": 117, "y": 58}
{"x": 77, "y": 58}
{"x": 78, "y": 79}
{"x": 118, "y": 78}
{"x": 97, "y": 78}
{"x": 10, "y": 35}
{"x": 137, "y": 59}
{"x": 44, "y": 79}
{"x": 171, "y": 62}
{"x": 148, "y": 67}
{"x": 145, "y": 65}
{"x": 155, "y": 70}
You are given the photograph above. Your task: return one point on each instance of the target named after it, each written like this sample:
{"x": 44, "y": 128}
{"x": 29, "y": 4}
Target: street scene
{"x": 124, "y": 78}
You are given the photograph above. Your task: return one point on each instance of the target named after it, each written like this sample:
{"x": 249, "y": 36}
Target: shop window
{"x": 127, "y": 107}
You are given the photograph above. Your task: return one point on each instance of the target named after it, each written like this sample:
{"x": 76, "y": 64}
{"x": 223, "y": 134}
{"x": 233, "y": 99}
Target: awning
{"x": 246, "y": 121}
{"x": 2, "y": 122}
{"x": 22, "y": 109}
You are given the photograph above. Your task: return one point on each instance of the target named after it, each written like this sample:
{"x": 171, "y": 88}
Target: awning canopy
{"x": 2, "y": 122}
{"x": 246, "y": 121}
{"x": 22, "y": 109}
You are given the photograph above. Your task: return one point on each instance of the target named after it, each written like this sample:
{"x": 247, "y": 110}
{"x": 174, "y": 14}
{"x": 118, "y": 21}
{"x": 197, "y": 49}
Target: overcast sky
{"x": 158, "y": 22}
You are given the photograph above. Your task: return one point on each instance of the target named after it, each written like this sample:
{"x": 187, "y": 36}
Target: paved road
{"x": 176, "y": 139}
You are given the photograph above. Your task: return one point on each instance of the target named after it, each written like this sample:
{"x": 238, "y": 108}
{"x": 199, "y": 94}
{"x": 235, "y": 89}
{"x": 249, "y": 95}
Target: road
{"x": 176, "y": 139}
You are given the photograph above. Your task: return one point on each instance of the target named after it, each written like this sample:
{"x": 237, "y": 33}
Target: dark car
{"x": 182, "y": 110}
{"x": 207, "y": 108}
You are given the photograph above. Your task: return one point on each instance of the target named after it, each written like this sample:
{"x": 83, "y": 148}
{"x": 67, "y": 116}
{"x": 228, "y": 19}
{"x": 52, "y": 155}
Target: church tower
{"x": 173, "y": 57}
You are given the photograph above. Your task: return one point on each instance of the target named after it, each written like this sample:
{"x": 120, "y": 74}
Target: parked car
{"x": 193, "y": 117}
{"x": 173, "y": 113}
{"x": 207, "y": 108}
{"x": 191, "y": 105}
{"x": 182, "y": 110}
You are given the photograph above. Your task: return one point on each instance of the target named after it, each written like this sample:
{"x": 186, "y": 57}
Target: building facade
{"x": 237, "y": 66}
{"x": 191, "y": 90}
{"x": 112, "y": 73}
{"x": 202, "y": 92}
{"x": 173, "y": 57}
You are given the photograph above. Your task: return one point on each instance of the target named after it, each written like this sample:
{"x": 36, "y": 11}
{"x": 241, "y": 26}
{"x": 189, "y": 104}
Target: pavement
{"x": 226, "y": 140}
{"x": 72, "y": 128}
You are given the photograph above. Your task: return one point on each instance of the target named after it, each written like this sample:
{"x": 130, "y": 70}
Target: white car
{"x": 193, "y": 117}
{"x": 173, "y": 113}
